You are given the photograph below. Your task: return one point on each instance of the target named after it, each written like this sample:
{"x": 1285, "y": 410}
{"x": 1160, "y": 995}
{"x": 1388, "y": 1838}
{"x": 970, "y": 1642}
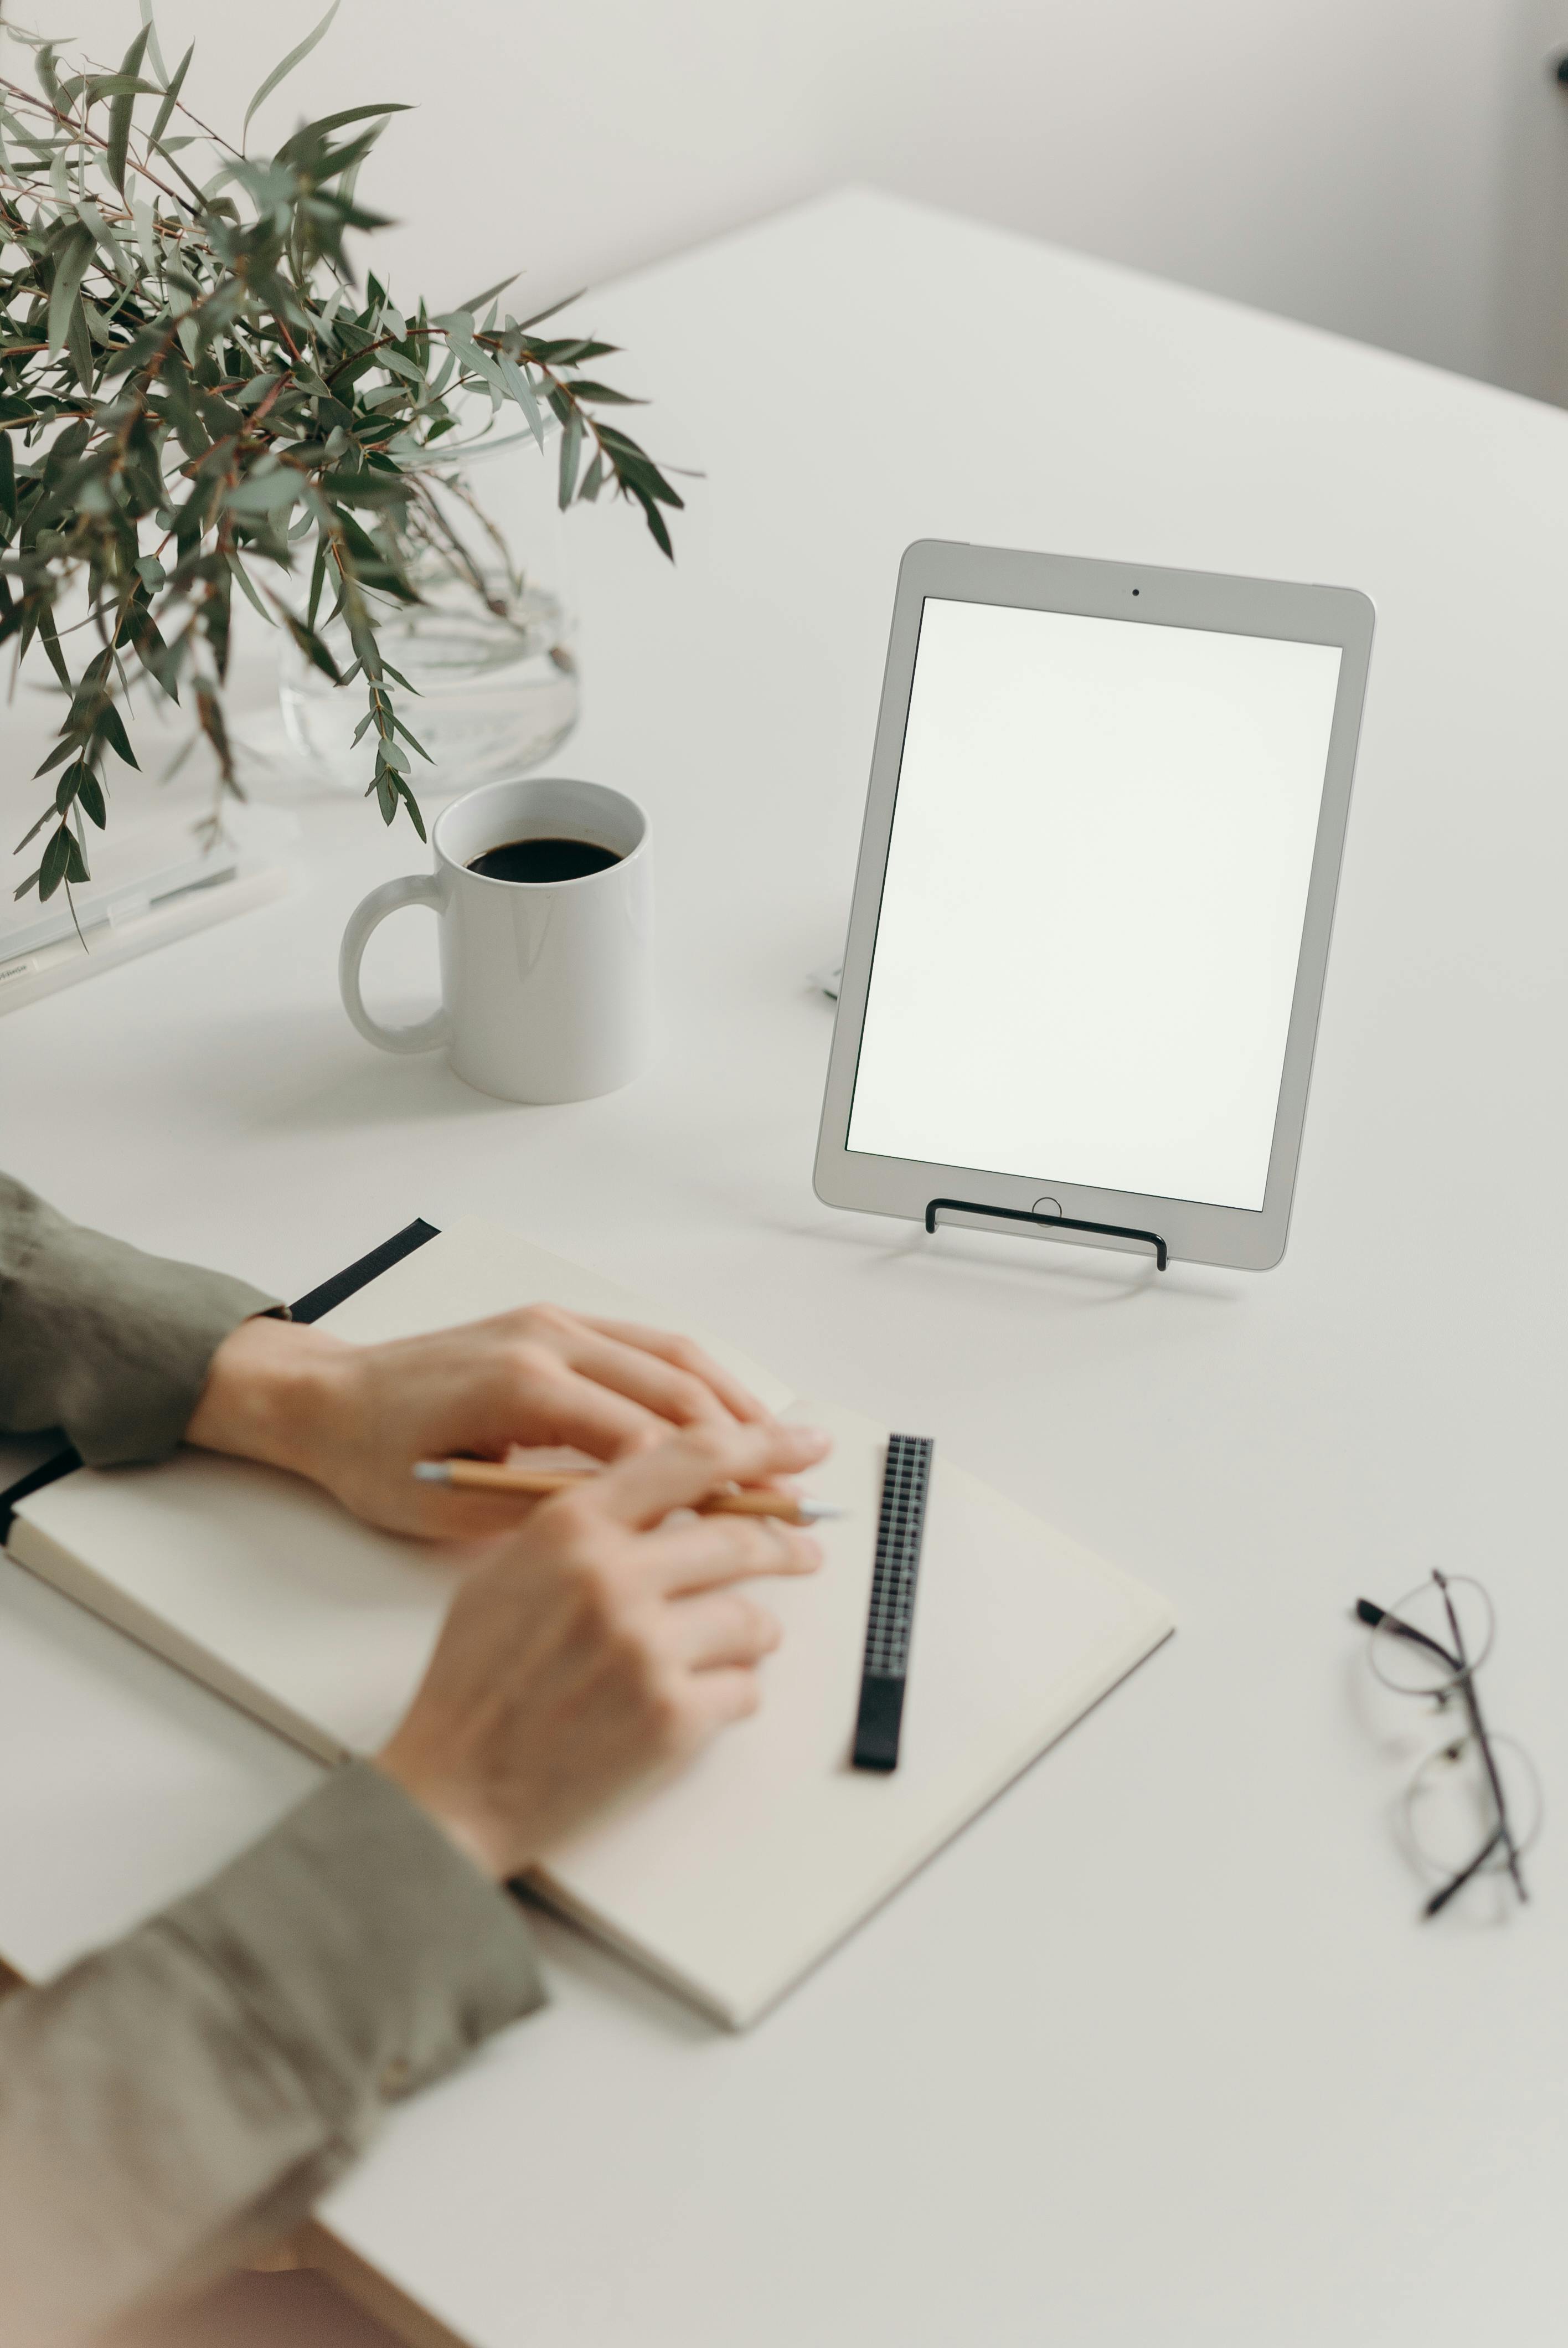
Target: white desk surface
{"x": 1156, "y": 2051}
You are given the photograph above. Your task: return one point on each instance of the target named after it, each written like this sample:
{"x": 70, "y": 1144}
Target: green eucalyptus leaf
{"x": 101, "y": 86}
{"x": 247, "y": 588}
{"x": 570, "y": 451}
{"x": 110, "y": 726}
{"x": 564, "y": 304}
{"x": 404, "y": 369}
{"x": 311, "y": 644}
{"x": 172, "y": 96}
{"x": 582, "y": 389}
{"x": 414, "y": 742}
{"x": 318, "y": 579}
{"x": 477, "y": 301}
{"x": 32, "y": 833}
{"x": 78, "y": 347}
{"x": 65, "y": 749}
{"x": 522, "y": 391}
{"x": 313, "y": 132}
{"x": 70, "y": 268}
{"x": 656, "y": 524}
{"x": 50, "y": 640}
{"x": 153, "y": 51}
{"x": 366, "y": 489}
{"x": 56, "y": 862}
{"x": 49, "y": 78}
{"x": 161, "y": 661}
{"x": 280, "y": 72}
{"x": 120, "y": 112}
{"x": 251, "y": 395}
{"x": 268, "y": 494}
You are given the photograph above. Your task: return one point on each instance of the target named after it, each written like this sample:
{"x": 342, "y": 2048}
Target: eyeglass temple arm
{"x": 1379, "y": 1617}
{"x": 1376, "y": 1617}
{"x": 1473, "y": 1705}
{"x": 1489, "y": 1761}
{"x": 1440, "y": 1900}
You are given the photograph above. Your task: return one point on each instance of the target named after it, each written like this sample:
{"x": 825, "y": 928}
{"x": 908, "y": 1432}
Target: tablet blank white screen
{"x": 1096, "y": 882}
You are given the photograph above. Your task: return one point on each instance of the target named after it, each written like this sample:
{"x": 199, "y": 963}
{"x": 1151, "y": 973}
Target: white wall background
{"x": 1397, "y": 169}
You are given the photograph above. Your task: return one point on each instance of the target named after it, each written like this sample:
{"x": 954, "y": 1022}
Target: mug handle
{"x": 414, "y": 888}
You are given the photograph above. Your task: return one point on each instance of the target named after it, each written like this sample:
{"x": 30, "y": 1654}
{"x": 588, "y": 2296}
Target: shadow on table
{"x": 1082, "y": 1276}
{"x": 1397, "y": 1736}
{"x": 573, "y": 1954}
{"x": 302, "y": 1070}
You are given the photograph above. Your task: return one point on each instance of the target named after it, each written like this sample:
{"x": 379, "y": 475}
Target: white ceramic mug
{"x": 547, "y": 987}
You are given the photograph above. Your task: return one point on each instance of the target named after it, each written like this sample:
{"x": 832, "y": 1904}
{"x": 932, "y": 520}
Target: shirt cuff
{"x": 98, "y": 1338}
{"x": 369, "y": 1950}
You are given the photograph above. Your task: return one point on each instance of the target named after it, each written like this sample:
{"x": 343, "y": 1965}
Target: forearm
{"x": 173, "y": 2102}
{"x": 110, "y": 1344}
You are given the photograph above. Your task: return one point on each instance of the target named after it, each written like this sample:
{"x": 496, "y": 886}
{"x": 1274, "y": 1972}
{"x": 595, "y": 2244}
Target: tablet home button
{"x": 1045, "y": 1207}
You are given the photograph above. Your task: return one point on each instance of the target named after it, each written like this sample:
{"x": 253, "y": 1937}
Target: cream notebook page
{"x": 732, "y": 1880}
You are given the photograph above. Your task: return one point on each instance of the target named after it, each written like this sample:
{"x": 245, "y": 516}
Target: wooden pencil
{"x": 493, "y": 1476}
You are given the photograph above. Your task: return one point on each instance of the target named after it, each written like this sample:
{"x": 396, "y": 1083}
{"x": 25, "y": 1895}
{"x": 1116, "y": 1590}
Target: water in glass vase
{"x": 495, "y": 679}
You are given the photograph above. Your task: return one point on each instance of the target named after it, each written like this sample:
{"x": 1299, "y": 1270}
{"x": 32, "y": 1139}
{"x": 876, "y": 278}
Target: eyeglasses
{"x": 1474, "y": 1804}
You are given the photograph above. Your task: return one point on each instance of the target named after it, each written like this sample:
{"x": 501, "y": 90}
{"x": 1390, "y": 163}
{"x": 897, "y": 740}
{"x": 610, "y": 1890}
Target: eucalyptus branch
{"x": 194, "y": 390}
{"x": 437, "y": 523}
{"x": 80, "y": 130}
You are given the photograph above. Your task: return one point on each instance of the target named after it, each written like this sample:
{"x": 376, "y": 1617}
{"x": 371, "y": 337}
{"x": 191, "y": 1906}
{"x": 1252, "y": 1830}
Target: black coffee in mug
{"x": 544, "y": 859}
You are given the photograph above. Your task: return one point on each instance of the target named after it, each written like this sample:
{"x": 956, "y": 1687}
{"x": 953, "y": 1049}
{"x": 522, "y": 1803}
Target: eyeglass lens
{"x": 1424, "y": 1644}
{"x": 1450, "y": 1811}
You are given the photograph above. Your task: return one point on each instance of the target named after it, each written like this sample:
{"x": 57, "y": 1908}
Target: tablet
{"x": 1092, "y": 908}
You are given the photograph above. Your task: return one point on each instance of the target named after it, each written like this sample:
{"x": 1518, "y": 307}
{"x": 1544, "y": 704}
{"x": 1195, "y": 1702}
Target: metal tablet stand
{"x": 1057, "y": 1222}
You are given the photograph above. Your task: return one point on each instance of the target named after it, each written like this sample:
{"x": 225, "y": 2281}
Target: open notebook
{"x": 732, "y": 1879}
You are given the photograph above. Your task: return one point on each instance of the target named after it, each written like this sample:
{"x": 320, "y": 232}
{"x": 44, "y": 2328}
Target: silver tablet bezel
{"x": 1141, "y": 595}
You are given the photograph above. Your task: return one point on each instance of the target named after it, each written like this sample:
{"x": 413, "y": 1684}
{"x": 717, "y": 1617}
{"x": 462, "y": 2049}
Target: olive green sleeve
{"x": 173, "y": 2102}
{"x": 110, "y": 1344}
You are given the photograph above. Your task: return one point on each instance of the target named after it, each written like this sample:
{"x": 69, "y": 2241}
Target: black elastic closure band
{"x": 1056, "y": 1222}
{"x": 343, "y": 1284}
{"x": 321, "y": 1300}
{"x": 49, "y": 1471}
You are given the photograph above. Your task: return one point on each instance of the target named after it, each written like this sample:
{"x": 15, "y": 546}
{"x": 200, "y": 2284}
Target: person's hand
{"x": 354, "y": 1418}
{"x": 601, "y": 1642}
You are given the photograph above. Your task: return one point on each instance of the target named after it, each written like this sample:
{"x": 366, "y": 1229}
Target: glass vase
{"x": 488, "y": 650}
